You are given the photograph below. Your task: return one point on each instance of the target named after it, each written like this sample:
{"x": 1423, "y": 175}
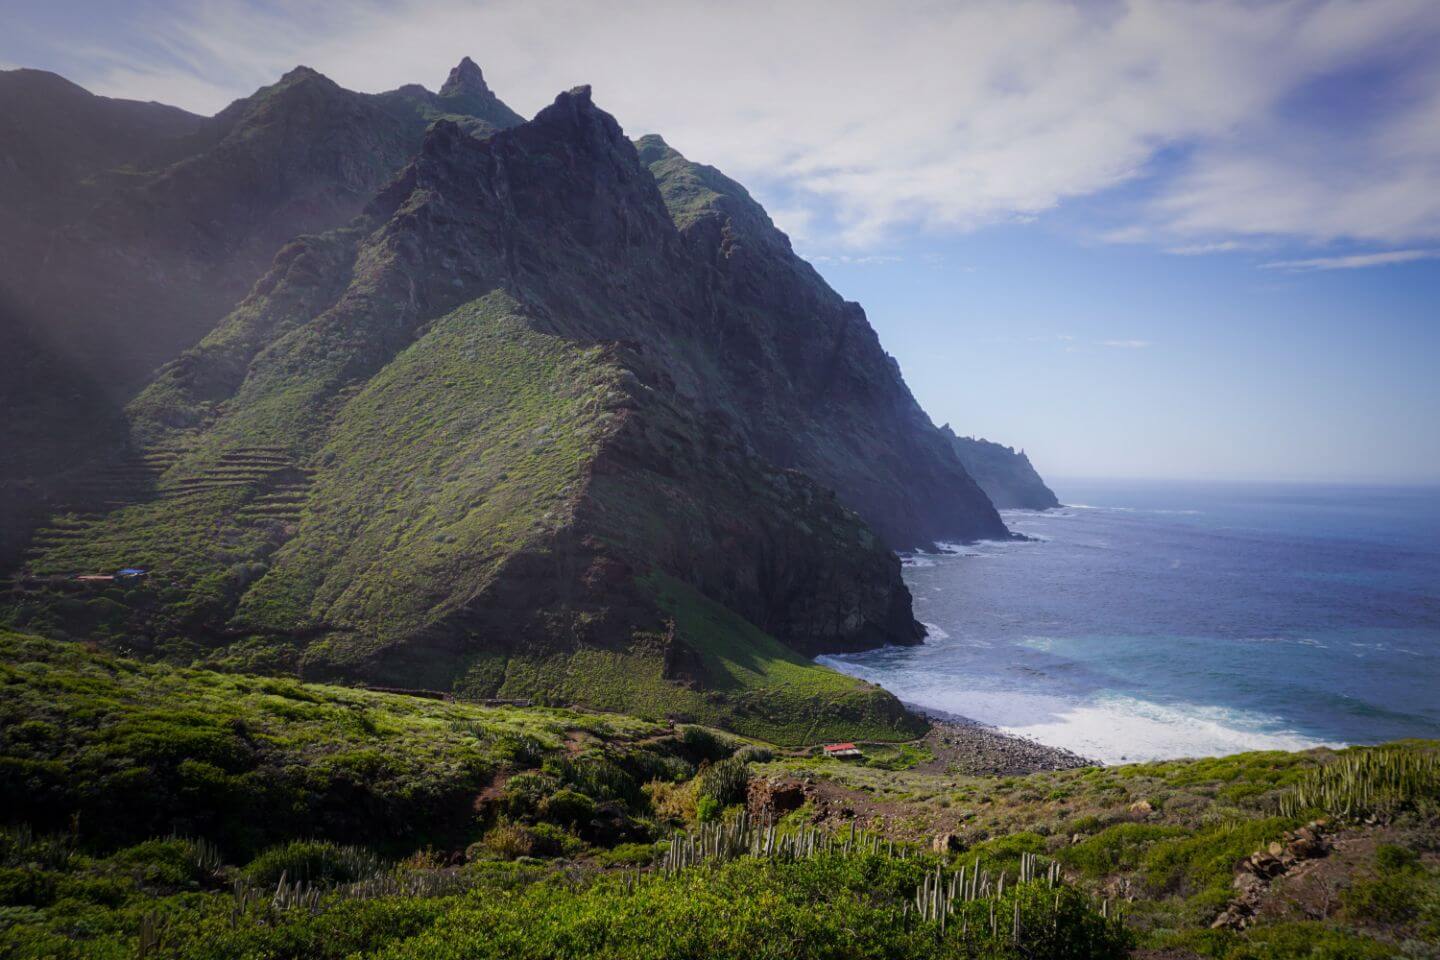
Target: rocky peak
{"x": 303, "y": 74}
{"x": 466, "y": 77}
{"x": 570, "y": 175}
{"x": 466, "y": 92}
{"x": 574, "y": 116}
{"x": 653, "y": 148}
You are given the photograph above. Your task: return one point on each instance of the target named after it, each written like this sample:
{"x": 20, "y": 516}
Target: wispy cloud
{"x": 1356, "y": 261}
{"x": 1205, "y": 249}
{"x": 933, "y": 116}
{"x": 1127, "y": 344}
{"x": 867, "y": 260}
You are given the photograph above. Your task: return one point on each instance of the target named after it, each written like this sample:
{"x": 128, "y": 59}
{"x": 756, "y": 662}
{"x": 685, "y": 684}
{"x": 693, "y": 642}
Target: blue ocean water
{"x": 1156, "y": 620}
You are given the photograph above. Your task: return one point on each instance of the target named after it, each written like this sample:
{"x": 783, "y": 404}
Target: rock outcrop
{"x": 1005, "y": 474}
{"x": 1259, "y": 870}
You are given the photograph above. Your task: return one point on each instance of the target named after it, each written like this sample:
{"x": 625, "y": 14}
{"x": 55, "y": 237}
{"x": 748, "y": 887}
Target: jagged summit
{"x": 302, "y": 72}
{"x": 466, "y": 91}
{"x": 465, "y": 77}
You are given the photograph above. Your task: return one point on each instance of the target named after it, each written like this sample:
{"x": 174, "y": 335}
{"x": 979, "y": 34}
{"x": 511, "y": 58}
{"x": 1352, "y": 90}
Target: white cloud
{"x": 1205, "y": 249}
{"x": 1354, "y": 261}
{"x": 934, "y": 115}
{"x": 868, "y": 260}
{"x": 1127, "y": 344}
{"x": 796, "y": 221}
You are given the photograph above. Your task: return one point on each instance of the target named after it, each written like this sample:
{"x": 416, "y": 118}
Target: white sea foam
{"x": 934, "y": 631}
{"x": 1108, "y": 727}
{"x": 1155, "y": 510}
{"x": 1115, "y": 729}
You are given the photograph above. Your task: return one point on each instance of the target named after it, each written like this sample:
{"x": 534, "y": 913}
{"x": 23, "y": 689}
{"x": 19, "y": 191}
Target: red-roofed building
{"x": 842, "y": 750}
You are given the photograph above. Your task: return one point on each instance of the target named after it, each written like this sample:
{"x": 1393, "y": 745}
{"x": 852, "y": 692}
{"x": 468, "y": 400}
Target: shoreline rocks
{"x": 977, "y": 749}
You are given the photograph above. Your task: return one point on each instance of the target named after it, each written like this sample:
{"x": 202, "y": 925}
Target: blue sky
{"x": 1139, "y": 239}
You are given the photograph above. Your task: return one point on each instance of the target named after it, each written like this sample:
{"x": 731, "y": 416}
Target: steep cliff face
{"x": 129, "y": 229}
{"x": 804, "y": 372}
{"x": 1007, "y": 477}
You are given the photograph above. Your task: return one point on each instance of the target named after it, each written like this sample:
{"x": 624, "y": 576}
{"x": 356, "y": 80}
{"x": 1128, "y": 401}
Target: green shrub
{"x": 519, "y": 751}
{"x": 595, "y": 775}
{"x": 1385, "y": 899}
{"x": 26, "y": 886}
{"x": 507, "y": 841}
{"x": 1391, "y": 893}
{"x": 20, "y": 846}
{"x": 525, "y": 793}
{"x": 755, "y": 753}
{"x": 1390, "y": 856}
{"x": 568, "y": 808}
{"x": 171, "y": 862}
{"x": 1307, "y": 941}
{"x": 548, "y": 840}
{"x": 1120, "y": 847}
{"x": 726, "y": 781}
{"x": 702, "y": 743}
{"x": 315, "y": 862}
{"x": 707, "y": 808}
{"x": 628, "y": 855}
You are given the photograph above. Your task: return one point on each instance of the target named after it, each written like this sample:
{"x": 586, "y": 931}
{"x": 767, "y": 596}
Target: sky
{"x": 1137, "y": 239}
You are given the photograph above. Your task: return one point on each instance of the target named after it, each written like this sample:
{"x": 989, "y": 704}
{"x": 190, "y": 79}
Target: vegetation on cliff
{"x": 130, "y": 229}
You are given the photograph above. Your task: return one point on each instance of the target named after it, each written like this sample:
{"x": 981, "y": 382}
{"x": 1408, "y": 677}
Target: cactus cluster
{"x": 936, "y": 897}
{"x": 1365, "y": 784}
{"x": 747, "y": 836}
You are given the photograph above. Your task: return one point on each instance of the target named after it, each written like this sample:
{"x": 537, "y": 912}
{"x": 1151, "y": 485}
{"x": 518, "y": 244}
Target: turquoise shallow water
{"x": 1162, "y": 620}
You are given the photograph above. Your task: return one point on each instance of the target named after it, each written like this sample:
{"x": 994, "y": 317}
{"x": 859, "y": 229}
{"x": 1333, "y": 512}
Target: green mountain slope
{"x": 516, "y": 429}
{"x": 127, "y": 230}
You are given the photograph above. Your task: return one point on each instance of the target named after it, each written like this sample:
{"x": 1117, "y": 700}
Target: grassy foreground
{"x": 155, "y": 811}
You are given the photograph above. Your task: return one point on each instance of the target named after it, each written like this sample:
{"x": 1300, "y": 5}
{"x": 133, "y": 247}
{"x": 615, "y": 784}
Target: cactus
{"x": 1368, "y": 783}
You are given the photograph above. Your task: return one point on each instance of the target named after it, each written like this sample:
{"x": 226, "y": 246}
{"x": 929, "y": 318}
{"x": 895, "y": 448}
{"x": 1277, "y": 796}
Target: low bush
{"x": 707, "y": 809}
{"x": 702, "y": 743}
{"x": 754, "y": 753}
{"x": 726, "y": 781}
{"x": 505, "y": 841}
{"x": 568, "y": 808}
{"x": 313, "y": 862}
{"x": 548, "y": 840}
{"x": 672, "y": 803}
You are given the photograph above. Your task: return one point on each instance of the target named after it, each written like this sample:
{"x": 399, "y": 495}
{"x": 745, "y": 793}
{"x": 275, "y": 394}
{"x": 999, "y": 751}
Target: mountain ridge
{"x": 133, "y": 241}
{"x": 557, "y": 416}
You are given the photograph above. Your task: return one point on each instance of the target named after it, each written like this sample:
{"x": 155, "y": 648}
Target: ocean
{"x": 1159, "y": 620}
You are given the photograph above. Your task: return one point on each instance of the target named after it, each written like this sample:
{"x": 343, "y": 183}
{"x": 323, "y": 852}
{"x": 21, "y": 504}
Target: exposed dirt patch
{"x": 1312, "y": 890}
